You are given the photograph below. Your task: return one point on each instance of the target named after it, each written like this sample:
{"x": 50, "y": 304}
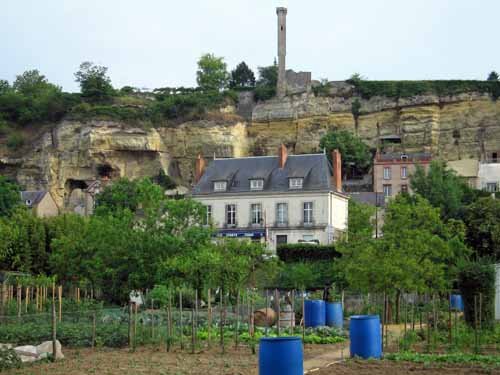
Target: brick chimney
{"x": 337, "y": 170}
{"x": 282, "y": 155}
{"x": 199, "y": 168}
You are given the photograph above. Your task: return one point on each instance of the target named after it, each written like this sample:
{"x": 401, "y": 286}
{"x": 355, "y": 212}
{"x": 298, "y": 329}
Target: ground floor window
{"x": 231, "y": 214}
{"x": 387, "y": 190}
{"x": 281, "y": 239}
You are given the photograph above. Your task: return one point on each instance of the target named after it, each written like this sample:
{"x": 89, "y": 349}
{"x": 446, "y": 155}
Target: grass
{"x": 450, "y": 358}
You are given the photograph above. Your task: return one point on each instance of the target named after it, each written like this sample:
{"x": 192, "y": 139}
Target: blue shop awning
{"x": 242, "y": 233}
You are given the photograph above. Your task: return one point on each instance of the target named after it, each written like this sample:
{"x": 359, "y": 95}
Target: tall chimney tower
{"x": 281, "y": 86}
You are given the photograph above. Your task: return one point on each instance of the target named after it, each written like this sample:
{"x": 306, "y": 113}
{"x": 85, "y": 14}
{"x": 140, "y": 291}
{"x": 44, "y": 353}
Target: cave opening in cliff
{"x": 106, "y": 171}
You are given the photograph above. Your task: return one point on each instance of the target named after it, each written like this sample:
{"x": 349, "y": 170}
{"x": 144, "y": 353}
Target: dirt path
{"x": 334, "y": 355}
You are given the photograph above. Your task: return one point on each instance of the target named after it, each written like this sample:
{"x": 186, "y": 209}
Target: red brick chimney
{"x": 282, "y": 155}
{"x": 337, "y": 170}
{"x": 199, "y": 168}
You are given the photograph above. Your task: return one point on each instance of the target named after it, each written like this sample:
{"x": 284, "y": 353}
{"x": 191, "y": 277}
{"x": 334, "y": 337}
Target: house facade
{"x": 392, "y": 171}
{"x": 274, "y": 199}
{"x": 40, "y": 202}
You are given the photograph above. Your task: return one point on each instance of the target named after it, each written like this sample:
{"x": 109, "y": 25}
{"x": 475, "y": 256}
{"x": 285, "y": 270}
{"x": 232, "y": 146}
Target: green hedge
{"x": 475, "y": 278}
{"x": 302, "y": 252}
{"x": 405, "y": 89}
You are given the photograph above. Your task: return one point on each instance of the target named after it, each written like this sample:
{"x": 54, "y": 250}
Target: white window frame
{"x": 404, "y": 171}
{"x": 282, "y": 215}
{"x": 387, "y": 173}
{"x": 256, "y": 217}
{"x": 296, "y": 183}
{"x": 257, "y": 184}
{"x": 231, "y": 210}
{"x": 308, "y": 213}
{"x": 491, "y": 187}
{"x": 208, "y": 213}
{"x": 220, "y": 185}
{"x": 387, "y": 190}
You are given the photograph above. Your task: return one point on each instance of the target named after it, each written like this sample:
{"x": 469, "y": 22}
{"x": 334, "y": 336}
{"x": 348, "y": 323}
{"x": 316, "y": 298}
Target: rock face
{"x": 74, "y": 154}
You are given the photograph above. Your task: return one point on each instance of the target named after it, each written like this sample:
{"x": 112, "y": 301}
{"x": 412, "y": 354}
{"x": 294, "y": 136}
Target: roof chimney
{"x": 337, "y": 170}
{"x": 199, "y": 168}
{"x": 282, "y": 156}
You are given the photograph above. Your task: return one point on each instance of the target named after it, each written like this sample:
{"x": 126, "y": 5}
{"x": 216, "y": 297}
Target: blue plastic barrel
{"x": 281, "y": 356}
{"x": 365, "y": 336}
{"x": 457, "y": 302}
{"x": 334, "y": 315}
{"x": 314, "y": 313}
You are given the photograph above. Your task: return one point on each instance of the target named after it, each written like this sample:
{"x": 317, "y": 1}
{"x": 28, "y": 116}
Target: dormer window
{"x": 220, "y": 185}
{"x": 296, "y": 183}
{"x": 28, "y": 202}
{"x": 257, "y": 184}
{"x": 404, "y": 157}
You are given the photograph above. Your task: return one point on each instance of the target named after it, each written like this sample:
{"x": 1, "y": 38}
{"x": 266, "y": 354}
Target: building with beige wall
{"x": 392, "y": 171}
{"x": 40, "y": 202}
{"x": 274, "y": 199}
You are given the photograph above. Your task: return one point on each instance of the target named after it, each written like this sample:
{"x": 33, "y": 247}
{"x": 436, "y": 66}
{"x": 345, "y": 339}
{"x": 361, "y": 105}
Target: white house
{"x": 274, "y": 199}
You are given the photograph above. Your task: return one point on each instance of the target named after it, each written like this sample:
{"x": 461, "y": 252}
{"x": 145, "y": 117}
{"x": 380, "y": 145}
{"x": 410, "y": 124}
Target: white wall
{"x": 488, "y": 172}
{"x": 329, "y": 213}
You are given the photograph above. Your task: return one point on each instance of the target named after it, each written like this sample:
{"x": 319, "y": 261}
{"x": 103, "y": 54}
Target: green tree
{"x": 10, "y": 196}
{"x": 125, "y": 194}
{"x": 360, "y": 221}
{"x": 242, "y": 77}
{"x": 418, "y": 251}
{"x": 31, "y": 83}
{"x": 355, "y": 153}
{"x": 212, "y": 73}
{"x": 94, "y": 82}
{"x": 493, "y": 76}
{"x": 442, "y": 188}
{"x": 482, "y": 220}
{"x": 266, "y": 84}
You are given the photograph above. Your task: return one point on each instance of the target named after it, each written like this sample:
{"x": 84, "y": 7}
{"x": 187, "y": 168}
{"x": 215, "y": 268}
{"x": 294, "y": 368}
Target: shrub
{"x": 404, "y": 89}
{"x": 302, "y": 252}
{"x": 475, "y": 278}
{"x": 9, "y": 359}
{"x": 15, "y": 140}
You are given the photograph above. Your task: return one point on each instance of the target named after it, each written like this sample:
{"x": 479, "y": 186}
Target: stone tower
{"x": 281, "y": 86}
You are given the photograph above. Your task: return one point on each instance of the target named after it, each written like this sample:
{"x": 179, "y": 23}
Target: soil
{"x": 156, "y": 361}
{"x": 241, "y": 361}
{"x": 354, "y": 367}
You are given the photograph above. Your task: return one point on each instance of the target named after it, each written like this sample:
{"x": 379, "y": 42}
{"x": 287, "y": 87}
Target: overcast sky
{"x": 156, "y": 43}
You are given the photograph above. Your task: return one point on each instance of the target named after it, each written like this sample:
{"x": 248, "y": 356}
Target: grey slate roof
{"x": 34, "y": 196}
{"x": 314, "y": 168}
{"x": 368, "y": 197}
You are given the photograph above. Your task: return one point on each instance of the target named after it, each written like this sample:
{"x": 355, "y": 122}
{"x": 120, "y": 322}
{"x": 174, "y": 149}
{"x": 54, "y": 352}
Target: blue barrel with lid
{"x": 314, "y": 313}
{"x": 334, "y": 315}
{"x": 281, "y": 356}
{"x": 365, "y": 336}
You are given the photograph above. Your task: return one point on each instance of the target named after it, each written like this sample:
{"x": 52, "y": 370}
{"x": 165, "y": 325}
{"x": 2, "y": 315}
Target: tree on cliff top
{"x": 356, "y": 155}
{"x": 493, "y": 76}
{"x": 242, "y": 77}
{"x": 212, "y": 73}
{"x": 94, "y": 82}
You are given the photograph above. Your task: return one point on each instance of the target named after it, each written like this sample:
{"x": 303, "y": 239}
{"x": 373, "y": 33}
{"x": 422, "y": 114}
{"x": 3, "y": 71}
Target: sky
{"x": 156, "y": 43}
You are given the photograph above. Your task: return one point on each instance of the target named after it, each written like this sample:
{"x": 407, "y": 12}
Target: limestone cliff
{"x": 73, "y": 154}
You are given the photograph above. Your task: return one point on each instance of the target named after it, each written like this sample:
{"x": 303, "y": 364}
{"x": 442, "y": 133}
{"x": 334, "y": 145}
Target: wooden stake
{"x": 267, "y": 306}
{"x": 292, "y": 317}
{"x": 169, "y": 322}
{"x": 237, "y": 323}
{"x": 209, "y": 318}
{"x": 93, "y": 329}
{"x": 181, "y": 325}
{"x": 193, "y": 333}
{"x": 278, "y": 323}
{"x": 54, "y": 324}
{"x": 221, "y": 320}
{"x": 59, "y": 293}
